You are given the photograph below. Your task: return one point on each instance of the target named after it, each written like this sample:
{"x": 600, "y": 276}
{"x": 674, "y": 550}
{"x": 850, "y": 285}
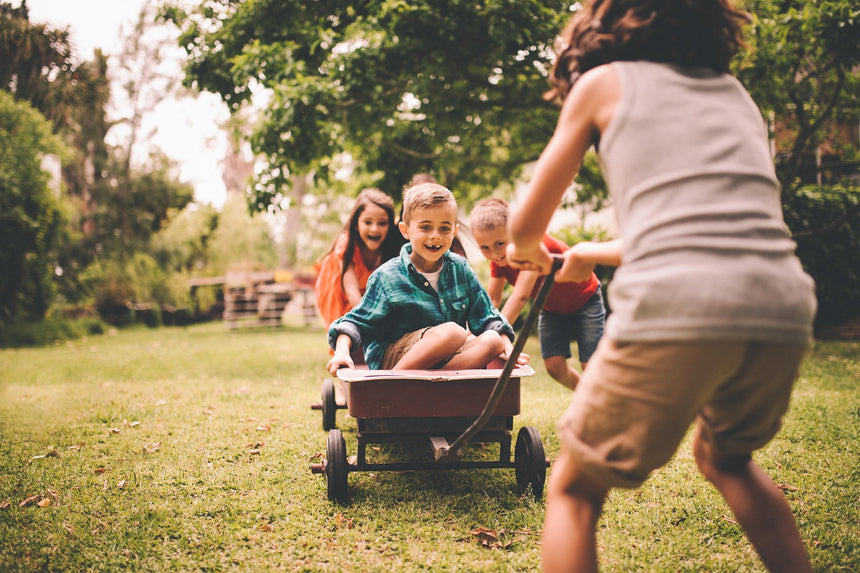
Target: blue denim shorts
{"x": 585, "y": 325}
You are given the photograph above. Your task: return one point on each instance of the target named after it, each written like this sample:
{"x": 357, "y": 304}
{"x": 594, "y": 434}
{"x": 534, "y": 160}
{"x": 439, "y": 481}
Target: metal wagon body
{"x": 432, "y": 405}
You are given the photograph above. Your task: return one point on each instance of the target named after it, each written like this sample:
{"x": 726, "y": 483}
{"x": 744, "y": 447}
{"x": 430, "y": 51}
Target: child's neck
{"x": 372, "y": 258}
{"x": 424, "y": 266}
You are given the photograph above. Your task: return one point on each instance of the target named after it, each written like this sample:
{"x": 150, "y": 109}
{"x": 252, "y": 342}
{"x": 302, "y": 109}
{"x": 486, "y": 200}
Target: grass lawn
{"x": 189, "y": 449}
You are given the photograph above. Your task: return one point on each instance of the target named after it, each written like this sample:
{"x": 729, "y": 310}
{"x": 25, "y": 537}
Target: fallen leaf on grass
{"x": 49, "y": 454}
{"x": 254, "y": 452}
{"x": 786, "y": 487}
{"x": 491, "y": 539}
{"x": 340, "y": 521}
{"x": 5, "y": 504}
{"x": 99, "y": 471}
{"x": 267, "y": 527}
{"x": 44, "y": 502}
{"x": 121, "y": 484}
{"x": 115, "y": 431}
{"x": 264, "y": 428}
{"x": 28, "y": 501}
{"x": 68, "y": 527}
{"x": 151, "y": 448}
{"x": 130, "y": 424}
{"x": 53, "y": 493}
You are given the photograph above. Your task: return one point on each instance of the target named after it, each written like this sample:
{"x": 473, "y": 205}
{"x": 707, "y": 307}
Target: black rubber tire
{"x": 329, "y": 406}
{"x": 336, "y": 467}
{"x": 530, "y": 462}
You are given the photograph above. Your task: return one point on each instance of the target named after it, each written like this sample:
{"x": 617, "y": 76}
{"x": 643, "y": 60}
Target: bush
{"x": 51, "y": 330}
{"x": 825, "y": 223}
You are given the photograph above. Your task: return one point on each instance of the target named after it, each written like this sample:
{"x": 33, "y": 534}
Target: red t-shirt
{"x": 564, "y": 298}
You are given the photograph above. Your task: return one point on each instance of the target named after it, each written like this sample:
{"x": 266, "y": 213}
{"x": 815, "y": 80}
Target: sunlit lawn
{"x": 189, "y": 449}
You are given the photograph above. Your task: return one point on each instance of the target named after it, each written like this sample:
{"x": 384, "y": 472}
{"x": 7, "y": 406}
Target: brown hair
{"x": 392, "y": 242}
{"x": 489, "y": 213}
{"x": 689, "y": 33}
{"x": 425, "y": 195}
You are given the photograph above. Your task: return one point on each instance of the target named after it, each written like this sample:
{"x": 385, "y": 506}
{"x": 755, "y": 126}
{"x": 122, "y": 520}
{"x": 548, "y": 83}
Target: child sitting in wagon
{"x": 425, "y": 309}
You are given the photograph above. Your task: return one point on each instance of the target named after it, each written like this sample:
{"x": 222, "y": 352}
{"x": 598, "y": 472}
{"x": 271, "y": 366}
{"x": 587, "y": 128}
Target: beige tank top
{"x": 707, "y": 254}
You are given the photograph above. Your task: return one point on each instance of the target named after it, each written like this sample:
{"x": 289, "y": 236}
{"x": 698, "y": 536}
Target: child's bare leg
{"x": 437, "y": 344}
{"x": 477, "y": 352}
{"x": 758, "y": 505}
{"x": 561, "y": 371}
{"x": 573, "y": 506}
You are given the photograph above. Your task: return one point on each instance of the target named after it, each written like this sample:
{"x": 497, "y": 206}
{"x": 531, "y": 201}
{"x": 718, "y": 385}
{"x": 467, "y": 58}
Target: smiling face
{"x": 373, "y": 226}
{"x": 493, "y": 243}
{"x": 430, "y": 231}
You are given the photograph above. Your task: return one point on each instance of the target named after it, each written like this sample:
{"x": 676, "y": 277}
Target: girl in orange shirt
{"x": 368, "y": 239}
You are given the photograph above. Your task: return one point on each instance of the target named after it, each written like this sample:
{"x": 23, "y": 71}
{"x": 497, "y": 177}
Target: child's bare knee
{"x": 450, "y": 334}
{"x": 711, "y": 463}
{"x": 556, "y": 366}
{"x": 492, "y": 340}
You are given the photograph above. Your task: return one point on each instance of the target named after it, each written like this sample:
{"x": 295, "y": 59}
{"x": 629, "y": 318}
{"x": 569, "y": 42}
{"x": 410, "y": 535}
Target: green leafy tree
{"x": 802, "y": 70}
{"x": 29, "y": 212}
{"x": 448, "y": 87}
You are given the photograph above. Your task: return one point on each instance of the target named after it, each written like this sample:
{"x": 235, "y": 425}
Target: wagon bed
{"x": 434, "y": 405}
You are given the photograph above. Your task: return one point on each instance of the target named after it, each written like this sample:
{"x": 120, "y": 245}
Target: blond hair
{"x": 425, "y": 195}
{"x": 489, "y": 214}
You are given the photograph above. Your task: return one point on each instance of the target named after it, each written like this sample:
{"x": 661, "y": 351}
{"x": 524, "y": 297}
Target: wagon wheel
{"x": 329, "y": 406}
{"x": 530, "y": 461}
{"x": 335, "y": 467}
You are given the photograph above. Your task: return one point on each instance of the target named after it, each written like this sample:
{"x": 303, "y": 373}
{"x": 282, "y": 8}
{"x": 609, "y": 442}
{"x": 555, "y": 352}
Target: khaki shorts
{"x": 636, "y": 401}
{"x": 397, "y": 349}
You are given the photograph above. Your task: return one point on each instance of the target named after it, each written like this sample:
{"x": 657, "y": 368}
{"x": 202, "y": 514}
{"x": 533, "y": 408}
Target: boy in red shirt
{"x": 573, "y": 310}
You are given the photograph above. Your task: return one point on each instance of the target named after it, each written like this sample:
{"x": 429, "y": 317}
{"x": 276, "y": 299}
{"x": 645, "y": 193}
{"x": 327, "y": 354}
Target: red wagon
{"x": 449, "y": 408}
{"x": 433, "y": 405}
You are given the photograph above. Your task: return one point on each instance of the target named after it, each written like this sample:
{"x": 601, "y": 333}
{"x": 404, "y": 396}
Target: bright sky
{"x": 186, "y": 130}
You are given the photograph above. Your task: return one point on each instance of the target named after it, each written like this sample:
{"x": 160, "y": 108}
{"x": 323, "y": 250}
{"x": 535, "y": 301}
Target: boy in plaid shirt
{"x": 426, "y": 308}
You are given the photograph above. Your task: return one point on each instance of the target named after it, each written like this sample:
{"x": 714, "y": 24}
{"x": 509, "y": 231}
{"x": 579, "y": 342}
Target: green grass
{"x": 189, "y": 449}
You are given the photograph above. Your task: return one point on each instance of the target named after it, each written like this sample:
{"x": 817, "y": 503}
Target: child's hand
{"x": 338, "y": 361}
{"x": 522, "y": 359}
{"x": 533, "y": 259}
{"x": 575, "y": 267}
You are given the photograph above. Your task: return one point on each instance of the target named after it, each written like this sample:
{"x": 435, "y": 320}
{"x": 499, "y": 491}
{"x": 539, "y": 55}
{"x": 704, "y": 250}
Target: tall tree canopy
{"x": 444, "y": 86}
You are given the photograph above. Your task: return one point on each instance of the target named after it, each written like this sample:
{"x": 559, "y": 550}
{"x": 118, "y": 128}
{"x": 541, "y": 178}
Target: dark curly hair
{"x": 689, "y": 33}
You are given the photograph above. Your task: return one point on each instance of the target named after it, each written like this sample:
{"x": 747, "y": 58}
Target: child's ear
{"x": 404, "y": 229}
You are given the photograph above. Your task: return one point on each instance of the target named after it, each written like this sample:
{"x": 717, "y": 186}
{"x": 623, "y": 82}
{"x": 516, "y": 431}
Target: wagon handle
{"x": 510, "y": 364}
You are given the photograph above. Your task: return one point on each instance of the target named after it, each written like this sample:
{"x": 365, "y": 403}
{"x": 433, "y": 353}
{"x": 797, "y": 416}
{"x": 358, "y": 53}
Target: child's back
{"x": 707, "y": 254}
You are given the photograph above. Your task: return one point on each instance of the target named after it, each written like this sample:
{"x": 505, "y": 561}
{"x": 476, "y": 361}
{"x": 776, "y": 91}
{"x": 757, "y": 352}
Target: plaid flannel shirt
{"x": 399, "y": 299}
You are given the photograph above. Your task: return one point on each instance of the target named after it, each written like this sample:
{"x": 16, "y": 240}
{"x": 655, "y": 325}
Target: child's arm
{"x": 341, "y": 358}
{"x": 586, "y": 113}
{"x": 519, "y": 297}
{"x": 495, "y": 288}
{"x": 350, "y": 286}
{"x": 580, "y": 259}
